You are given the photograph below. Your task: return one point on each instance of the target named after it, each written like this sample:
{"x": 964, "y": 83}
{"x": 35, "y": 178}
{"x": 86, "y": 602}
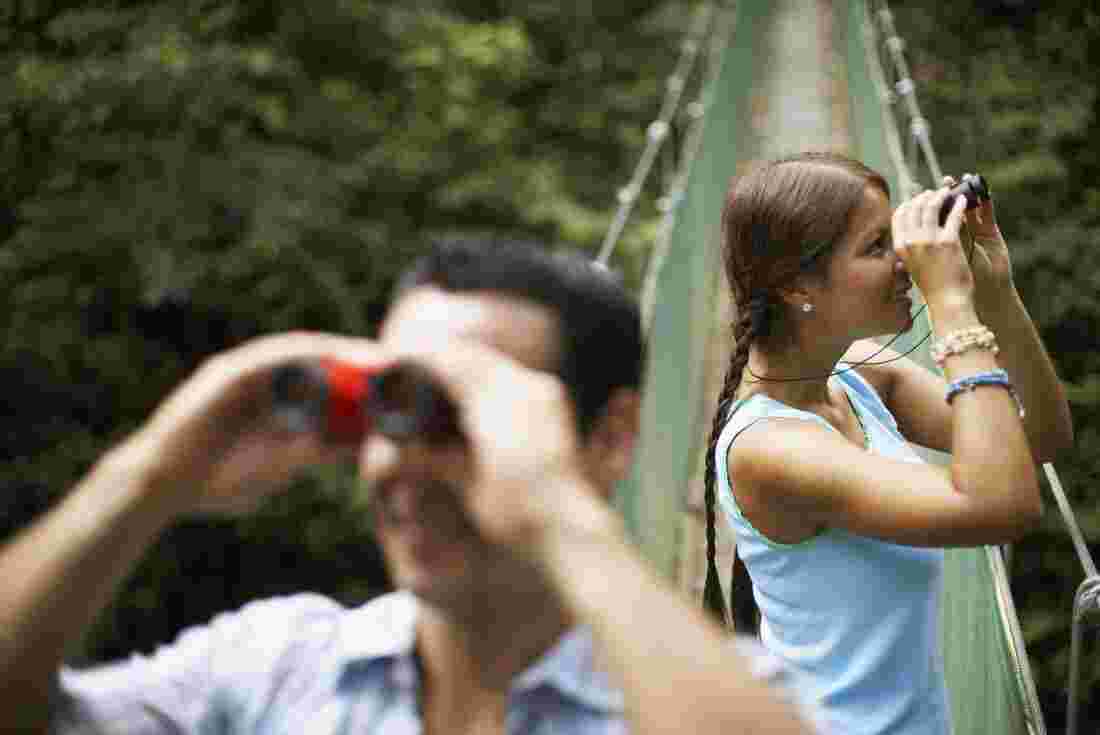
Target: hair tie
{"x": 760, "y": 314}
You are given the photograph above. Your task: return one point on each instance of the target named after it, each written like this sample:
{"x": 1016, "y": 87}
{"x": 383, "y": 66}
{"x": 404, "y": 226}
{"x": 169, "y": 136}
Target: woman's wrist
{"x": 994, "y": 302}
{"x": 951, "y": 312}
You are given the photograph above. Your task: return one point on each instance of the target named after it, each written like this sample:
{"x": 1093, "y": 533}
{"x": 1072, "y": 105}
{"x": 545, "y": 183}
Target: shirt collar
{"x": 569, "y": 667}
{"x": 385, "y": 628}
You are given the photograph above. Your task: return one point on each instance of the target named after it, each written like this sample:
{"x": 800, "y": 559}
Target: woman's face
{"x": 867, "y": 290}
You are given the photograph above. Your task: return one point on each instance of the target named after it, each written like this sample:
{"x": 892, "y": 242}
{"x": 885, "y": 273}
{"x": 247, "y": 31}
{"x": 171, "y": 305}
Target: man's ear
{"x": 609, "y": 448}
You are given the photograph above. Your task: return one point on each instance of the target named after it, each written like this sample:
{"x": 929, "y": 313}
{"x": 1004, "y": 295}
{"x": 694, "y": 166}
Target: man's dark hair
{"x": 598, "y": 320}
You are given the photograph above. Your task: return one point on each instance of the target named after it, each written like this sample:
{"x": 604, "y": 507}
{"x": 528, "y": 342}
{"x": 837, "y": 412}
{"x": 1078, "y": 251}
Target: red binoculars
{"x": 344, "y": 402}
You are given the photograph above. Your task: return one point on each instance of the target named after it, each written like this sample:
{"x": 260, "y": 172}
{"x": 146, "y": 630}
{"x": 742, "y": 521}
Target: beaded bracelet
{"x": 963, "y": 340}
{"x": 993, "y": 377}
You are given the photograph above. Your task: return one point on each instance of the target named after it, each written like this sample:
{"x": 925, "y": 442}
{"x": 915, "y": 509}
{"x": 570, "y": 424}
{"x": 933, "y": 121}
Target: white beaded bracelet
{"x": 977, "y": 337}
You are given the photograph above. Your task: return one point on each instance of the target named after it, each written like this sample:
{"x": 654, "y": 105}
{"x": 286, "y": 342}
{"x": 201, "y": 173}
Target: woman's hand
{"x": 989, "y": 261}
{"x": 933, "y": 254}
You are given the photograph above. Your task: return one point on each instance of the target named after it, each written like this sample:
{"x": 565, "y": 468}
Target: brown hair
{"x": 780, "y": 220}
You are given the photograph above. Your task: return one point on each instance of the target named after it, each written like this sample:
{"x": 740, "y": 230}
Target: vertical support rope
{"x": 893, "y": 142}
{"x": 658, "y": 130}
{"x": 670, "y": 203}
{"x": 1086, "y": 603}
{"x": 920, "y": 138}
{"x": 1015, "y": 640}
{"x": 920, "y": 133}
{"x": 907, "y": 89}
{"x": 1070, "y": 519}
{"x": 1087, "y": 600}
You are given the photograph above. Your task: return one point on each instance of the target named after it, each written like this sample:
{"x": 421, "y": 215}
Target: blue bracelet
{"x": 993, "y": 377}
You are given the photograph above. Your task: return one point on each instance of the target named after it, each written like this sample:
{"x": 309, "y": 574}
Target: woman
{"x": 838, "y": 521}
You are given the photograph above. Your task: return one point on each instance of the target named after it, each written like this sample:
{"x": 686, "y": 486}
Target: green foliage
{"x": 1011, "y": 91}
{"x": 178, "y": 176}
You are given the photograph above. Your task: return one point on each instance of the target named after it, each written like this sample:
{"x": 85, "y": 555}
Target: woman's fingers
{"x": 920, "y": 203}
{"x": 955, "y": 218}
{"x": 930, "y": 212}
{"x": 918, "y": 220}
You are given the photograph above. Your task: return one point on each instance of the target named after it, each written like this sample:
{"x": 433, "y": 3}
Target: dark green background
{"x": 178, "y": 176}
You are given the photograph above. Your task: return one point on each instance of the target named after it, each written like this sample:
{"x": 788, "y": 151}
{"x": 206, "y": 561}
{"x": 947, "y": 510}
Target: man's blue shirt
{"x": 305, "y": 664}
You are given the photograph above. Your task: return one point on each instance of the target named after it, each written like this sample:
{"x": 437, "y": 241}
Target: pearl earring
{"x": 807, "y": 307}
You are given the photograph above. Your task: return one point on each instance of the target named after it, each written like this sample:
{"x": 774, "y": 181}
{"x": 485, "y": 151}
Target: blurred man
{"x": 520, "y": 605}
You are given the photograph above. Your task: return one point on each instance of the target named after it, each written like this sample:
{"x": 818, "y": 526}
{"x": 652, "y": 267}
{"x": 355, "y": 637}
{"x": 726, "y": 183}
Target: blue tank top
{"x": 859, "y": 616}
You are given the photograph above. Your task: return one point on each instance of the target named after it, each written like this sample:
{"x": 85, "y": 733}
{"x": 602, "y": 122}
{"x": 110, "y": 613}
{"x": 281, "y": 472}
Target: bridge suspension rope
{"x": 1087, "y": 599}
{"x": 913, "y": 157}
{"x": 658, "y": 130}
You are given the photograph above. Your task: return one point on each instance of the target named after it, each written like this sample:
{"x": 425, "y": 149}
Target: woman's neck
{"x": 792, "y": 373}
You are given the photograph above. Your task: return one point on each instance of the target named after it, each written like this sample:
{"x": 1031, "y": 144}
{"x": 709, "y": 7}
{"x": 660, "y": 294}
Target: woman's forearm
{"x": 1047, "y": 422}
{"x": 677, "y": 672}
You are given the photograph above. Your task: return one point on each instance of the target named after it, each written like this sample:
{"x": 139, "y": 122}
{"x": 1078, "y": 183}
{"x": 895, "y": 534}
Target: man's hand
{"x": 525, "y": 488}
{"x": 213, "y": 446}
{"x": 519, "y": 459}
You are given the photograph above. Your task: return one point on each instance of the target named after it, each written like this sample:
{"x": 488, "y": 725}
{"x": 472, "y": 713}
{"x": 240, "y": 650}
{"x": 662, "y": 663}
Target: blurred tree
{"x": 178, "y": 176}
{"x": 1011, "y": 90}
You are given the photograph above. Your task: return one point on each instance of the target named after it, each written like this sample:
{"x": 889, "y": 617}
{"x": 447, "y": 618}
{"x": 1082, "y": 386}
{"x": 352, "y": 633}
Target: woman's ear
{"x": 796, "y": 296}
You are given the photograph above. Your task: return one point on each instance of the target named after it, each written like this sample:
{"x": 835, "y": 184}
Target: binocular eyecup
{"x": 345, "y": 402}
{"x": 973, "y": 187}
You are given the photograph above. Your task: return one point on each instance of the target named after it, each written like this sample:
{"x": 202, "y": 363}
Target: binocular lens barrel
{"x": 973, "y": 187}
{"x": 345, "y": 402}
{"x": 325, "y": 396}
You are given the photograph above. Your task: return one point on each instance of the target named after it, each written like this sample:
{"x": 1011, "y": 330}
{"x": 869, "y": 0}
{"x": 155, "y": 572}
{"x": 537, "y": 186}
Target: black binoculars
{"x": 344, "y": 402}
{"x": 973, "y": 187}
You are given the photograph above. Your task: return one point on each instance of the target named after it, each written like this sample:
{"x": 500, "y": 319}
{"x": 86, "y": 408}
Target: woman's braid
{"x": 745, "y": 329}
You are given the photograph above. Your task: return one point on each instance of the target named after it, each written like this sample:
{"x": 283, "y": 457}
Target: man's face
{"x": 430, "y": 546}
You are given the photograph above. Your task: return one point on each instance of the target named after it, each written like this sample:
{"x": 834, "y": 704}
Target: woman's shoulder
{"x": 752, "y": 407}
{"x": 875, "y": 364}
{"x": 877, "y": 376}
{"x": 773, "y": 423}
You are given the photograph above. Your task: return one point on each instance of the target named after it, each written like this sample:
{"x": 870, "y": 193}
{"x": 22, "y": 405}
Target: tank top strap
{"x": 749, "y": 411}
{"x": 741, "y": 415}
{"x": 865, "y": 393}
